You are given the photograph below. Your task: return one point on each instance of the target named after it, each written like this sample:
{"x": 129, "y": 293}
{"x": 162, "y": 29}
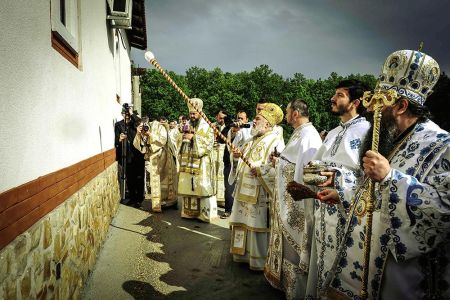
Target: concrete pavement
{"x": 162, "y": 256}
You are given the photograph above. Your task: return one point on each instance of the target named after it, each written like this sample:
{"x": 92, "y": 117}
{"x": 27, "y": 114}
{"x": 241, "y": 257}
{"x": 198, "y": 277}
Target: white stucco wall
{"x": 52, "y": 114}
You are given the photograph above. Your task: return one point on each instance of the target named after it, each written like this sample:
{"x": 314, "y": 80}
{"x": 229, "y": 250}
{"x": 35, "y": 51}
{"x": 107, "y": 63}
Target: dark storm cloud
{"x": 310, "y": 37}
{"x": 404, "y": 24}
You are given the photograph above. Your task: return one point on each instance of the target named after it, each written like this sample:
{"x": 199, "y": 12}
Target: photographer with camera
{"x": 239, "y": 134}
{"x": 234, "y": 130}
{"x": 130, "y": 160}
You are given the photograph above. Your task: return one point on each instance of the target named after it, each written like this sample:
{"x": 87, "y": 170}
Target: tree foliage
{"x": 241, "y": 91}
{"x": 437, "y": 102}
{"x": 160, "y": 99}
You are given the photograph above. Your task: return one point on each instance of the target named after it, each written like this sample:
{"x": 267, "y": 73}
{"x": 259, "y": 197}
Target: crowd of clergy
{"x": 362, "y": 213}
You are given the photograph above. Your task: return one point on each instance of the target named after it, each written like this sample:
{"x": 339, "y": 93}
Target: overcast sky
{"x": 312, "y": 37}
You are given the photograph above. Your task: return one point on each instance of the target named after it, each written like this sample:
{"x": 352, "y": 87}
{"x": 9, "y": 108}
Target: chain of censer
{"x": 189, "y": 101}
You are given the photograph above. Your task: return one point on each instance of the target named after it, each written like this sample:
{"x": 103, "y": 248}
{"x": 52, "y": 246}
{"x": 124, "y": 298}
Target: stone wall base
{"x": 53, "y": 258}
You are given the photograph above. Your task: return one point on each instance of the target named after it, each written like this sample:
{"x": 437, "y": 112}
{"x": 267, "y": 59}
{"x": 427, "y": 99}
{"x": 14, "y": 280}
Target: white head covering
{"x": 197, "y": 102}
{"x": 412, "y": 74}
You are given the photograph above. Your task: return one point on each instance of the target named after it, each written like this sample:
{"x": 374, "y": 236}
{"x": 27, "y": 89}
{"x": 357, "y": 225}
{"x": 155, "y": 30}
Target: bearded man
{"x": 250, "y": 215}
{"x": 339, "y": 154}
{"x": 259, "y": 106}
{"x": 410, "y": 253}
{"x": 197, "y": 173}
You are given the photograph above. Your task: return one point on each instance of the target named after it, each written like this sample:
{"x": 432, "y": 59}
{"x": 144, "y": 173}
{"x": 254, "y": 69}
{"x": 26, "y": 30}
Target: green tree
{"x": 241, "y": 91}
{"x": 160, "y": 99}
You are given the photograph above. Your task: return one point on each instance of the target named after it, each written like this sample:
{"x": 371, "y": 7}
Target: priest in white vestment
{"x": 250, "y": 216}
{"x": 409, "y": 253}
{"x": 196, "y": 179}
{"x": 292, "y": 222}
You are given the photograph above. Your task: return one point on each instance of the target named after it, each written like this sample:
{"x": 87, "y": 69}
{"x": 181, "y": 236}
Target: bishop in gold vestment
{"x": 250, "y": 215}
{"x": 196, "y": 179}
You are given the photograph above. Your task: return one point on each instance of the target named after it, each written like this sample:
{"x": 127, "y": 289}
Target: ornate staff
{"x": 375, "y": 102}
{"x": 150, "y": 57}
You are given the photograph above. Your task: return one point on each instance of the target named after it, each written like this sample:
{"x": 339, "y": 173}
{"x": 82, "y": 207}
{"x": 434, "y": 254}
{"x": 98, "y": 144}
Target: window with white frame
{"x": 65, "y": 28}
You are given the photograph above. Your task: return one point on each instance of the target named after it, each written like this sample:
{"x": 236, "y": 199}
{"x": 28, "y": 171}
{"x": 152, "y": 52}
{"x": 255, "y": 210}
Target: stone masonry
{"x": 53, "y": 259}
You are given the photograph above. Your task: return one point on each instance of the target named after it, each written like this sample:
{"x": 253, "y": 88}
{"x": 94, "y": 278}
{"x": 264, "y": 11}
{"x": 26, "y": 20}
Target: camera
{"x": 145, "y": 127}
{"x": 186, "y": 128}
{"x": 237, "y": 124}
{"x": 276, "y": 153}
{"x": 240, "y": 125}
{"x": 126, "y": 108}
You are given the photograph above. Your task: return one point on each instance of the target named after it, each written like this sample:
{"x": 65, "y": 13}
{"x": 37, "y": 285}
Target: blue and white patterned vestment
{"x": 411, "y": 224}
{"x": 340, "y": 152}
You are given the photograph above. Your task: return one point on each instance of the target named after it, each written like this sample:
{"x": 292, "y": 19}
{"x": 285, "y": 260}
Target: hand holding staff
{"x": 373, "y": 102}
